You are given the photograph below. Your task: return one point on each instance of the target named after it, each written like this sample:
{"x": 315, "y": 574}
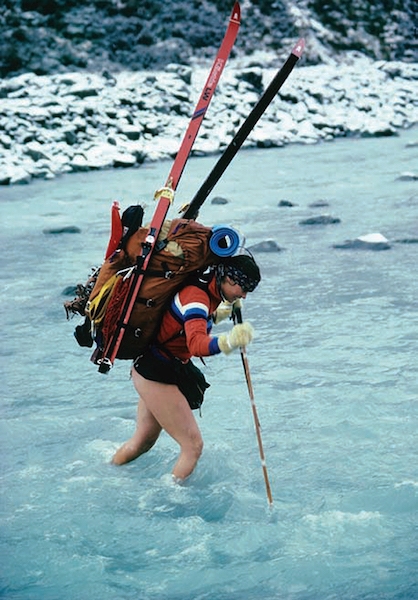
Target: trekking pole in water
{"x": 238, "y": 316}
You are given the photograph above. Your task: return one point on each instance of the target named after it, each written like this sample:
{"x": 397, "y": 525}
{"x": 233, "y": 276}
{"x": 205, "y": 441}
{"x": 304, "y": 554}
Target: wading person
{"x": 169, "y": 385}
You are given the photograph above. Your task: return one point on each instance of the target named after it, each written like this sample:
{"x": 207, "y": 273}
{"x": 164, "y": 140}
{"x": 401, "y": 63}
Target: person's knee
{"x": 191, "y": 449}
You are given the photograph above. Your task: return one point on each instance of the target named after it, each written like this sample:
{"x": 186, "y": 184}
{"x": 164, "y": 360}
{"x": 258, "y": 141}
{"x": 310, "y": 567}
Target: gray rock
{"x": 253, "y": 76}
{"x": 407, "y": 176}
{"x": 132, "y": 132}
{"x": 407, "y": 241}
{"x": 70, "y": 137}
{"x": 219, "y": 200}
{"x": 82, "y": 91}
{"x": 60, "y": 230}
{"x": 124, "y": 161}
{"x": 14, "y": 174}
{"x": 266, "y": 246}
{"x": 286, "y": 203}
{"x": 371, "y": 241}
{"x": 320, "y": 220}
{"x": 319, "y": 204}
{"x": 36, "y": 151}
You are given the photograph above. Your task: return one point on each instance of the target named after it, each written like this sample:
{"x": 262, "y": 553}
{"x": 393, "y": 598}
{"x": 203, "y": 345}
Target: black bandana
{"x": 246, "y": 283}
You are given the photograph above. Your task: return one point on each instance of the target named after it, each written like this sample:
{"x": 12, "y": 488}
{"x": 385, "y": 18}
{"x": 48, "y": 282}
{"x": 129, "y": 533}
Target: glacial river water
{"x": 334, "y": 370}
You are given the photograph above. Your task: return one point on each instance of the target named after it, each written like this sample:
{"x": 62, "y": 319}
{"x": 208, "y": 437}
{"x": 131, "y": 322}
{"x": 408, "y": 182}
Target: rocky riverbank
{"x": 69, "y": 122}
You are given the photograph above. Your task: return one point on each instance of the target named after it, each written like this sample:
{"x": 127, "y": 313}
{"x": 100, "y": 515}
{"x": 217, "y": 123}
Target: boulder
{"x": 407, "y": 176}
{"x": 285, "y": 203}
{"x": 266, "y": 246}
{"x": 219, "y": 200}
{"x": 370, "y": 241}
{"x": 320, "y": 220}
{"x": 63, "y": 229}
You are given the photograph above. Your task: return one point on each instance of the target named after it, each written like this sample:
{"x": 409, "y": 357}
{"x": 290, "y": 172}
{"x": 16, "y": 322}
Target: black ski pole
{"x": 242, "y": 134}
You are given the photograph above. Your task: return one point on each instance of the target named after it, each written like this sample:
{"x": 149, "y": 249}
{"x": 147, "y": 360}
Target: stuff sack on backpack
{"x": 121, "y": 230}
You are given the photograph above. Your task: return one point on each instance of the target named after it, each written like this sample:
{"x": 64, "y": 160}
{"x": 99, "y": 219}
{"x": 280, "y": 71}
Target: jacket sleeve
{"x": 194, "y": 305}
{"x": 198, "y": 339}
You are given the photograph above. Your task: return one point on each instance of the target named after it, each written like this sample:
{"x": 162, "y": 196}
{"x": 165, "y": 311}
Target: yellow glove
{"x": 224, "y": 310}
{"x": 239, "y": 336}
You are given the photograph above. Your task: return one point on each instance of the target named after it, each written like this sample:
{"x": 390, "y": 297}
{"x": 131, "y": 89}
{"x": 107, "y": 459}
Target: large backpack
{"x": 181, "y": 250}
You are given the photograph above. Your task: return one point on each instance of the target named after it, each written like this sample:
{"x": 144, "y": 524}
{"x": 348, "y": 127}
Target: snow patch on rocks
{"x": 56, "y": 124}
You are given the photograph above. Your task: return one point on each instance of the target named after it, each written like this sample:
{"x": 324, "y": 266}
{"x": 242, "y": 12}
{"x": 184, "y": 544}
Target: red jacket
{"x": 186, "y": 325}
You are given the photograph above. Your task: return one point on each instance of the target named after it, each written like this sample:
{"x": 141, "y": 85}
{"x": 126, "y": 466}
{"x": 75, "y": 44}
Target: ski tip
{"x": 236, "y": 13}
{"x": 299, "y": 48}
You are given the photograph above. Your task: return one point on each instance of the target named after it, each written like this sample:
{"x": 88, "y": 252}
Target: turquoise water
{"x": 334, "y": 373}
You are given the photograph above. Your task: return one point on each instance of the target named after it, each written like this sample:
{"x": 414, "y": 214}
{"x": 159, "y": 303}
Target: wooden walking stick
{"x": 237, "y": 314}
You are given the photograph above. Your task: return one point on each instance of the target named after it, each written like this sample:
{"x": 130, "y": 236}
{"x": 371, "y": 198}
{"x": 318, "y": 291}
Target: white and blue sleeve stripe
{"x": 191, "y": 310}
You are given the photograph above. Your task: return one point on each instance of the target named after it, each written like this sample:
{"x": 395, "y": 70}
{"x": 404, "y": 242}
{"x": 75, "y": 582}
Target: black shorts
{"x": 186, "y": 376}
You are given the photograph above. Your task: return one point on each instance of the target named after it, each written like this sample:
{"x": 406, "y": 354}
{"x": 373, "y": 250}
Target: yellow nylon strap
{"x": 184, "y": 207}
{"x": 167, "y": 192}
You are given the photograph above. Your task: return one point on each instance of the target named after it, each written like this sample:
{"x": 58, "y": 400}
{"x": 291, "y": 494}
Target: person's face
{"x": 232, "y": 291}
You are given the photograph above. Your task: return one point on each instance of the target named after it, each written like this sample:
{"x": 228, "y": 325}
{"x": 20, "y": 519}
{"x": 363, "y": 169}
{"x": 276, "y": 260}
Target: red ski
{"x": 205, "y": 98}
{"x": 165, "y": 196}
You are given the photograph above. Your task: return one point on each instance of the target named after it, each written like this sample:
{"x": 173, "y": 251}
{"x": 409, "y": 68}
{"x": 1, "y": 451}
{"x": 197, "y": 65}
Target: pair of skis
{"x": 165, "y": 196}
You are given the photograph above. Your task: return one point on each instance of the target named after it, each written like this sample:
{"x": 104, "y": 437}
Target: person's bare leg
{"x": 172, "y": 412}
{"x": 145, "y": 436}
